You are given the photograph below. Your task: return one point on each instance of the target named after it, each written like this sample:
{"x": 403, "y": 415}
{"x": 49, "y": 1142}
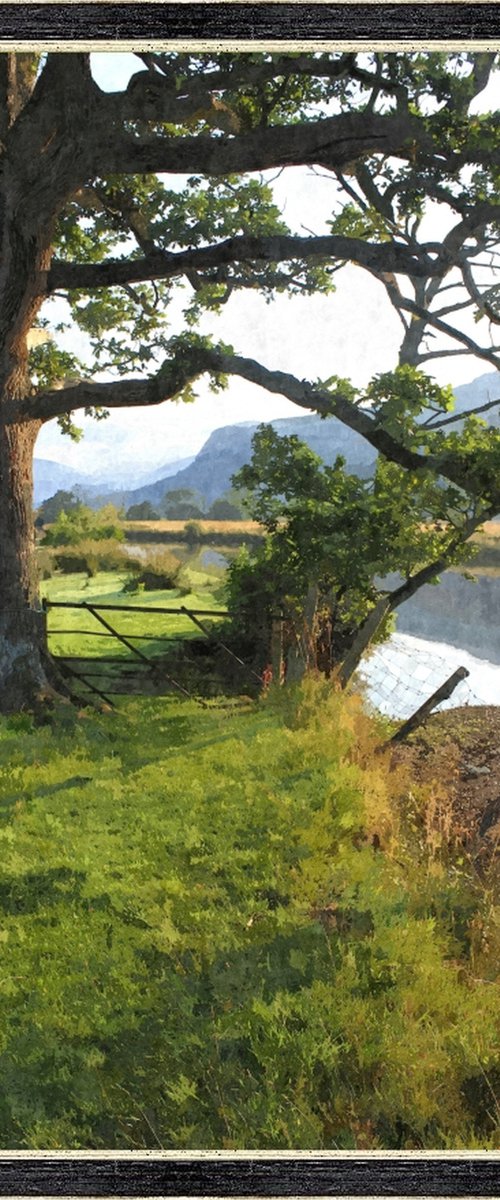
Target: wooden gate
{"x": 152, "y": 661}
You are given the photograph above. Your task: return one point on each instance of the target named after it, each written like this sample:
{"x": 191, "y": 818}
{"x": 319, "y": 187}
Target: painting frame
{"x": 121, "y": 26}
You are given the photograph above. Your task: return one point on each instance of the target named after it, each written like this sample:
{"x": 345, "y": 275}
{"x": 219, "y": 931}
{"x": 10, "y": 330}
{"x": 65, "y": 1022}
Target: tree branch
{"x": 475, "y": 217}
{"x": 330, "y": 142}
{"x": 190, "y": 362}
{"x": 252, "y": 74}
{"x": 389, "y": 601}
{"x": 416, "y": 581}
{"x": 430, "y": 354}
{"x": 245, "y": 248}
{"x": 430, "y": 318}
{"x": 460, "y": 416}
{"x": 474, "y": 292}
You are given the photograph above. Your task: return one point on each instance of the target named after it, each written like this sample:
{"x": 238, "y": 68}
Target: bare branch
{"x": 430, "y": 318}
{"x": 430, "y": 354}
{"x": 451, "y": 308}
{"x": 460, "y": 416}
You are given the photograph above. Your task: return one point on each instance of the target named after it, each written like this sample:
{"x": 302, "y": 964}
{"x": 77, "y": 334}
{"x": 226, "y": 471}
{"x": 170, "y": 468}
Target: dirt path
{"x": 460, "y": 748}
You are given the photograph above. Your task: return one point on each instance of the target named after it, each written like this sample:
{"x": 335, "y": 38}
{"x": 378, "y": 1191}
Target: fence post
{"x": 43, "y": 624}
{"x": 277, "y": 649}
{"x": 441, "y": 693}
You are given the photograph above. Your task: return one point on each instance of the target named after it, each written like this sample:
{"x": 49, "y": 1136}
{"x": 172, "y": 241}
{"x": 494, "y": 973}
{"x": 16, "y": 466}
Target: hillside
{"x": 228, "y": 448}
{"x": 51, "y": 476}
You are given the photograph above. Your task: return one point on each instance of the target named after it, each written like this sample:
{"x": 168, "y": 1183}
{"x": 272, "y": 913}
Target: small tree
{"x": 182, "y": 504}
{"x": 82, "y": 524}
{"x": 331, "y": 537}
{"x": 193, "y": 533}
{"x": 142, "y": 512}
{"x": 49, "y": 510}
{"x": 225, "y": 509}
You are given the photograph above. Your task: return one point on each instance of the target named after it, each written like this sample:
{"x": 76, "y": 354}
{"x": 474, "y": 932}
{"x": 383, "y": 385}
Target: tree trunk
{"x": 22, "y": 672}
{"x": 24, "y": 260}
{"x": 302, "y": 653}
{"x": 363, "y": 638}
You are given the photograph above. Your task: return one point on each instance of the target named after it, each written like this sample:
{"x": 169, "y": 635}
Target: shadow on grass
{"x": 21, "y": 895}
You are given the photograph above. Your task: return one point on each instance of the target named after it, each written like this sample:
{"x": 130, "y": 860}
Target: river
{"x": 399, "y": 675}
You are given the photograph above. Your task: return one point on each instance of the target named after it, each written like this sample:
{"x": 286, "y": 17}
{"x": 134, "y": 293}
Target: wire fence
{"x": 399, "y": 676}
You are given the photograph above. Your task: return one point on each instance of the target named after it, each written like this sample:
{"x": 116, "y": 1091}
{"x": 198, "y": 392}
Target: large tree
{"x": 86, "y": 212}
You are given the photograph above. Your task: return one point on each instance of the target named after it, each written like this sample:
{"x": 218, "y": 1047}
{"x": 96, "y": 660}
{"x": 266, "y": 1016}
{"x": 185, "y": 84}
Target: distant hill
{"x": 480, "y": 391}
{"x": 228, "y": 448}
{"x": 51, "y": 477}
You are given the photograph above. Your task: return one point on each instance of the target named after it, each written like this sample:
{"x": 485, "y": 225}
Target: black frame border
{"x": 227, "y": 1174}
{"x": 224, "y": 1175}
{"x": 112, "y": 22}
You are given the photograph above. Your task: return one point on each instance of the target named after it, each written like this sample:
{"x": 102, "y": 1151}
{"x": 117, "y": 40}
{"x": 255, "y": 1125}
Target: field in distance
{"x": 178, "y": 527}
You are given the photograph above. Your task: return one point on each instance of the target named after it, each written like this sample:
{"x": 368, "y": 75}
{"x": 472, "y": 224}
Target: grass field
{"x": 106, "y": 588}
{"x": 236, "y": 929}
{"x": 178, "y": 527}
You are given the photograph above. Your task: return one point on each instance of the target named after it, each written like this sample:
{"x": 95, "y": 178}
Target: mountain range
{"x": 228, "y": 448}
{"x": 51, "y": 476}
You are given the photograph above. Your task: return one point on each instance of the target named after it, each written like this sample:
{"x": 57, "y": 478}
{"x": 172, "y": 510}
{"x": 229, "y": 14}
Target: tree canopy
{"x": 158, "y": 199}
{"x": 332, "y": 537}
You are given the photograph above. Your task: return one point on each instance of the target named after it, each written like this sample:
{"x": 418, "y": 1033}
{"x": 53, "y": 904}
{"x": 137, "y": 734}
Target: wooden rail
{"x": 134, "y": 608}
{"x": 156, "y": 668}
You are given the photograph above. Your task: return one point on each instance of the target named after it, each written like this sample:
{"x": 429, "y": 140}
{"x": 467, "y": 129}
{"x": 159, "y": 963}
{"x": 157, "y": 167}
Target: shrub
{"x": 133, "y": 586}
{"x": 160, "y": 571}
{"x": 45, "y": 563}
{"x": 82, "y": 524}
{"x": 75, "y": 560}
{"x": 193, "y": 533}
{"x": 142, "y": 512}
{"x": 92, "y": 556}
{"x": 225, "y": 510}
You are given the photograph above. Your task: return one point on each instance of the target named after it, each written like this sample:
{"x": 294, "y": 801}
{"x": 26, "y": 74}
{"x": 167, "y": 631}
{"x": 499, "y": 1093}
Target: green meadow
{"x": 236, "y": 927}
{"x": 201, "y": 591}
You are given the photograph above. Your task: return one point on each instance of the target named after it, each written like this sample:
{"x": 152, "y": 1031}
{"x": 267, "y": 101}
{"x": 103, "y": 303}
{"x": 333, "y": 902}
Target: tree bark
{"x": 24, "y": 259}
{"x": 363, "y": 639}
{"x": 22, "y": 672}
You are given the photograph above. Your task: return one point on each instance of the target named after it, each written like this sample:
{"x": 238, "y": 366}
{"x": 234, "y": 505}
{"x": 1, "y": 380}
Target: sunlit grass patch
{"x": 107, "y": 588}
{"x": 228, "y": 929}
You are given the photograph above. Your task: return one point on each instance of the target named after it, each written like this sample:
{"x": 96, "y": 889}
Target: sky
{"x": 353, "y": 333}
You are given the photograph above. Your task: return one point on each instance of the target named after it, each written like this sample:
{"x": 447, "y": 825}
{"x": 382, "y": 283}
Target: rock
{"x": 476, "y": 772}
